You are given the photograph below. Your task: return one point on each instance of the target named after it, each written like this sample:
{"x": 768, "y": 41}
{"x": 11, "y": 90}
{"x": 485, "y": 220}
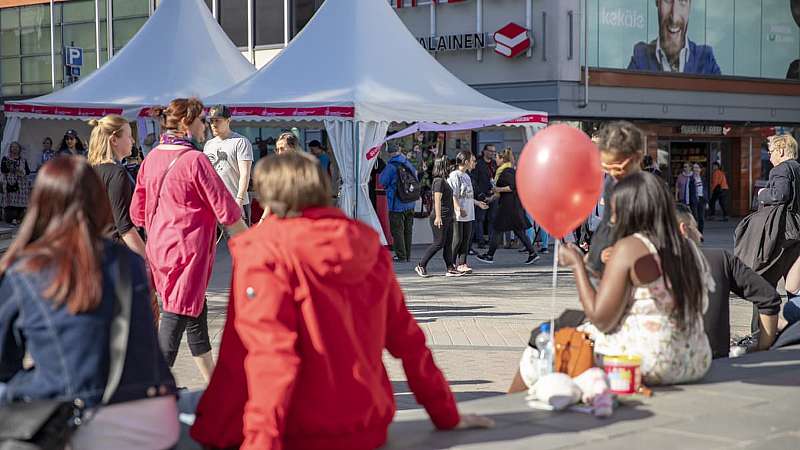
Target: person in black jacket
{"x": 732, "y": 275}
{"x": 482, "y": 177}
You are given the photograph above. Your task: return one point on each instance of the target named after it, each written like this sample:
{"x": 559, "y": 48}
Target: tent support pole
{"x": 287, "y": 35}
{"x": 251, "y": 53}
{"x": 215, "y": 9}
{"x": 357, "y": 163}
{"x": 97, "y": 31}
{"x": 52, "y": 46}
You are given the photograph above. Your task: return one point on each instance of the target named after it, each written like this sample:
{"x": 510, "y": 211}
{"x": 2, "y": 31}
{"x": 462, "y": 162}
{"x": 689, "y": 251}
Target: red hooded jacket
{"x": 314, "y": 303}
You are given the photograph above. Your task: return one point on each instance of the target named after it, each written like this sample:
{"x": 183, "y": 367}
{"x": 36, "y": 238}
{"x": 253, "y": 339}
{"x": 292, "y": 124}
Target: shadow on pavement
{"x": 510, "y": 426}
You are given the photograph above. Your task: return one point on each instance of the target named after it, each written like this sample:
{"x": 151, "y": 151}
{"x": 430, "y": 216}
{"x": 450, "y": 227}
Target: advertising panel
{"x": 701, "y": 37}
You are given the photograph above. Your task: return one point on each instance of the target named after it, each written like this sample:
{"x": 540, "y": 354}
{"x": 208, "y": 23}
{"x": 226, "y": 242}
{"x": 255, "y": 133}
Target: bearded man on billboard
{"x": 673, "y": 51}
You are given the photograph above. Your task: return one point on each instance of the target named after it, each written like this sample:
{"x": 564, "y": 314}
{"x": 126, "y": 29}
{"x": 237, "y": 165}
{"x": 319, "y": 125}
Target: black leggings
{"x": 170, "y": 333}
{"x": 461, "y": 237}
{"x": 442, "y": 240}
{"x": 521, "y": 235}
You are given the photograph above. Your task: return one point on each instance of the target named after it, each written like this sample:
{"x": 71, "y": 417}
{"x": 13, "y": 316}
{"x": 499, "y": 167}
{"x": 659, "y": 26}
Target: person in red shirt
{"x": 314, "y": 302}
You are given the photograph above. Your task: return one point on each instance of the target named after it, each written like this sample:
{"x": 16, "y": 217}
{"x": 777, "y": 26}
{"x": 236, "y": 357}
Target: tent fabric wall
{"x": 370, "y": 135}
{"x": 340, "y": 134}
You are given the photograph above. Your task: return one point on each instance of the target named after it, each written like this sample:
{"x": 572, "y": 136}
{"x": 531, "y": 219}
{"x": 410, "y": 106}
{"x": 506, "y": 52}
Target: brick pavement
{"x": 476, "y": 325}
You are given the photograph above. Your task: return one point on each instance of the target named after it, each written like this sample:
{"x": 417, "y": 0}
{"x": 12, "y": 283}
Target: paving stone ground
{"x": 476, "y": 325}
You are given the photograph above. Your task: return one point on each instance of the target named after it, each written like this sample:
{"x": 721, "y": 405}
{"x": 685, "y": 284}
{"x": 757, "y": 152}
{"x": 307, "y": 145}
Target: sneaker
{"x": 453, "y": 273}
{"x": 464, "y": 269}
{"x": 532, "y": 258}
{"x": 485, "y": 258}
{"x": 421, "y": 271}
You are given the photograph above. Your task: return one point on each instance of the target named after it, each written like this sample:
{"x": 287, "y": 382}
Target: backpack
{"x": 408, "y": 186}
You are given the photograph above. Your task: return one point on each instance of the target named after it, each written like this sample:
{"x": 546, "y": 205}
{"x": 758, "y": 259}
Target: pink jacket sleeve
{"x": 406, "y": 341}
{"x": 216, "y": 195}
{"x": 139, "y": 200}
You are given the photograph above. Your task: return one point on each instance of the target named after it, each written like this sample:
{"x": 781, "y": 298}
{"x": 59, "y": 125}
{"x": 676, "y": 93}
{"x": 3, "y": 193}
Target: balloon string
{"x": 553, "y": 294}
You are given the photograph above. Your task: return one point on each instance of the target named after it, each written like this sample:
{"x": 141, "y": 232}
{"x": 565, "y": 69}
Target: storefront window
{"x": 36, "y": 69}
{"x": 268, "y": 17}
{"x": 9, "y": 43}
{"x": 302, "y": 12}
{"x": 9, "y": 18}
{"x": 125, "y": 29}
{"x": 38, "y": 15}
{"x": 37, "y": 40}
{"x": 80, "y": 11}
{"x": 9, "y": 70}
{"x": 129, "y": 8}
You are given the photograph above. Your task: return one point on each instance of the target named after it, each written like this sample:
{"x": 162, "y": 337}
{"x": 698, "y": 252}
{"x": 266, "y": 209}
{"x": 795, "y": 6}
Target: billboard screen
{"x": 744, "y": 38}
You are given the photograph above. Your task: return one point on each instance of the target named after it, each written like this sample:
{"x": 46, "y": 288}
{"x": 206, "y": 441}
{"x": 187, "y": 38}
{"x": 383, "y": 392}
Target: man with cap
{"x": 316, "y": 149}
{"x": 231, "y": 154}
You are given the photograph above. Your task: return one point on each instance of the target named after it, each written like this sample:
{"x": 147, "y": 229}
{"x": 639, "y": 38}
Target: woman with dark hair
{"x": 47, "y": 152}
{"x": 17, "y": 187}
{"x": 510, "y": 215}
{"x": 58, "y": 297}
{"x": 178, "y": 200}
{"x": 71, "y": 144}
{"x": 441, "y": 221}
{"x": 464, "y": 207}
{"x": 654, "y": 288}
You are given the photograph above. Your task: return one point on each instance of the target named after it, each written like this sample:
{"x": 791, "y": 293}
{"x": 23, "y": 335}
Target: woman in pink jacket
{"x": 179, "y": 199}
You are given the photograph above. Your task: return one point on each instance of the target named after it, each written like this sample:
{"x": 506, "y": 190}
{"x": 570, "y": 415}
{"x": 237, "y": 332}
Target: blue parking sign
{"x": 73, "y": 56}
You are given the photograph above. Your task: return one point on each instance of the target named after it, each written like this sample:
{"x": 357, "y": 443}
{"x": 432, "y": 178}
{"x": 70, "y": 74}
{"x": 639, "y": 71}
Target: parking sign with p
{"x": 74, "y": 56}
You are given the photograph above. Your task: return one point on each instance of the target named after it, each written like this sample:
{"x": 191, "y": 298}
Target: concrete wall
{"x": 549, "y": 58}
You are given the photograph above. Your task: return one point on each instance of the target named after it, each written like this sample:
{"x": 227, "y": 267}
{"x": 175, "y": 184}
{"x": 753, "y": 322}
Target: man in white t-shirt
{"x": 231, "y": 154}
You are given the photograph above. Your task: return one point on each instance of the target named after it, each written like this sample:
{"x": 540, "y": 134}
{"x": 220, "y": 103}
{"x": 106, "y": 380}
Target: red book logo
{"x": 512, "y": 40}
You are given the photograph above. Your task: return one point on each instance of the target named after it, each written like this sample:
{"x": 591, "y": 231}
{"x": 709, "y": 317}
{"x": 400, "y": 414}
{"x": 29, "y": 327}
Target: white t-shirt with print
{"x": 461, "y": 184}
{"x": 225, "y": 156}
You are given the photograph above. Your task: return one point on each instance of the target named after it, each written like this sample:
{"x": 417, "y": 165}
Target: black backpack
{"x": 408, "y": 187}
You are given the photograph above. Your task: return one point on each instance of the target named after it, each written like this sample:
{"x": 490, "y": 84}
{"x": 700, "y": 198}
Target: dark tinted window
{"x": 233, "y": 17}
{"x": 268, "y": 15}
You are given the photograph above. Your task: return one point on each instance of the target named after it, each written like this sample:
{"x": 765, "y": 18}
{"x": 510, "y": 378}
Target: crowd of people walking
{"x": 102, "y": 256}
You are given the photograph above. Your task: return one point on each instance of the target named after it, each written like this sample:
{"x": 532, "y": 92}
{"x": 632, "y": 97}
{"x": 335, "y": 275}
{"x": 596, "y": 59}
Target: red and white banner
{"x": 261, "y": 111}
{"x": 59, "y": 110}
{"x": 413, "y": 3}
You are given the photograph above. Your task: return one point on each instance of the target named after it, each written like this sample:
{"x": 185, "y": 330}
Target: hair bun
{"x": 93, "y": 123}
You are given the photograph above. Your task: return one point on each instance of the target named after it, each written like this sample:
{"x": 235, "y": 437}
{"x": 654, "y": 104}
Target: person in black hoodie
{"x": 482, "y": 177}
{"x": 730, "y": 274}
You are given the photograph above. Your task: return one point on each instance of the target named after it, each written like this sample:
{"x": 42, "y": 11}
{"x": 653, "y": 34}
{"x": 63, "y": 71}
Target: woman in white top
{"x": 464, "y": 206}
{"x": 654, "y": 288}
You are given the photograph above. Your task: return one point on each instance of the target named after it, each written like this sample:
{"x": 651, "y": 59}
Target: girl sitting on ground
{"x": 654, "y": 287}
{"x": 295, "y": 369}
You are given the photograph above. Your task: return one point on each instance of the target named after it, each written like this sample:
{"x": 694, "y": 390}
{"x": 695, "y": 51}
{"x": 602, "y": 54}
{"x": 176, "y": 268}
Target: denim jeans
{"x": 791, "y": 310}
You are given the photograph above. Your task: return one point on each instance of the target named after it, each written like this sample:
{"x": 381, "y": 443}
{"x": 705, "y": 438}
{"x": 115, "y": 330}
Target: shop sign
{"x": 710, "y": 130}
{"x": 512, "y": 40}
{"x": 454, "y": 42}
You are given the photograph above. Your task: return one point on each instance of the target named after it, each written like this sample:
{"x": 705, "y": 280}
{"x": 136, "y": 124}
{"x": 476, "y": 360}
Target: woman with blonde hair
{"x": 510, "y": 215}
{"x": 110, "y": 143}
{"x": 287, "y": 142}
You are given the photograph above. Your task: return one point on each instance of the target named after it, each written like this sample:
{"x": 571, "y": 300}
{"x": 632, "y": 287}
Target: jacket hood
{"x": 331, "y": 245}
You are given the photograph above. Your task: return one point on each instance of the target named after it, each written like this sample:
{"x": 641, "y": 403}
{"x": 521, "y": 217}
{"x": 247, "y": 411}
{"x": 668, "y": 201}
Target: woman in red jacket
{"x": 314, "y": 302}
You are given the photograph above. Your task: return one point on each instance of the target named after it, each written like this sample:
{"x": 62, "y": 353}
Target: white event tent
{"x": 180, "y": 51}
{"x": 357, "y": 69}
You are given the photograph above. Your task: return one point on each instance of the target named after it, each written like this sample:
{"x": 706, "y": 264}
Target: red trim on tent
{"x": 532, "y": 118}
{"x": 260, "y": 111}
{"x": 59, "y": 110}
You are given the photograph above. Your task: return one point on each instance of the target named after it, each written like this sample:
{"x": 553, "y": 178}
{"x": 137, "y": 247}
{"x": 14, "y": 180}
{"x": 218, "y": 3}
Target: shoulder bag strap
{"x": 120, "y": 325}
{"x": 161, "y": 184}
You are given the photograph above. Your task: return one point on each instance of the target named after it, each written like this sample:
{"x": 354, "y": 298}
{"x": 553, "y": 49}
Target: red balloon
{"x": 559, "y": 179}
